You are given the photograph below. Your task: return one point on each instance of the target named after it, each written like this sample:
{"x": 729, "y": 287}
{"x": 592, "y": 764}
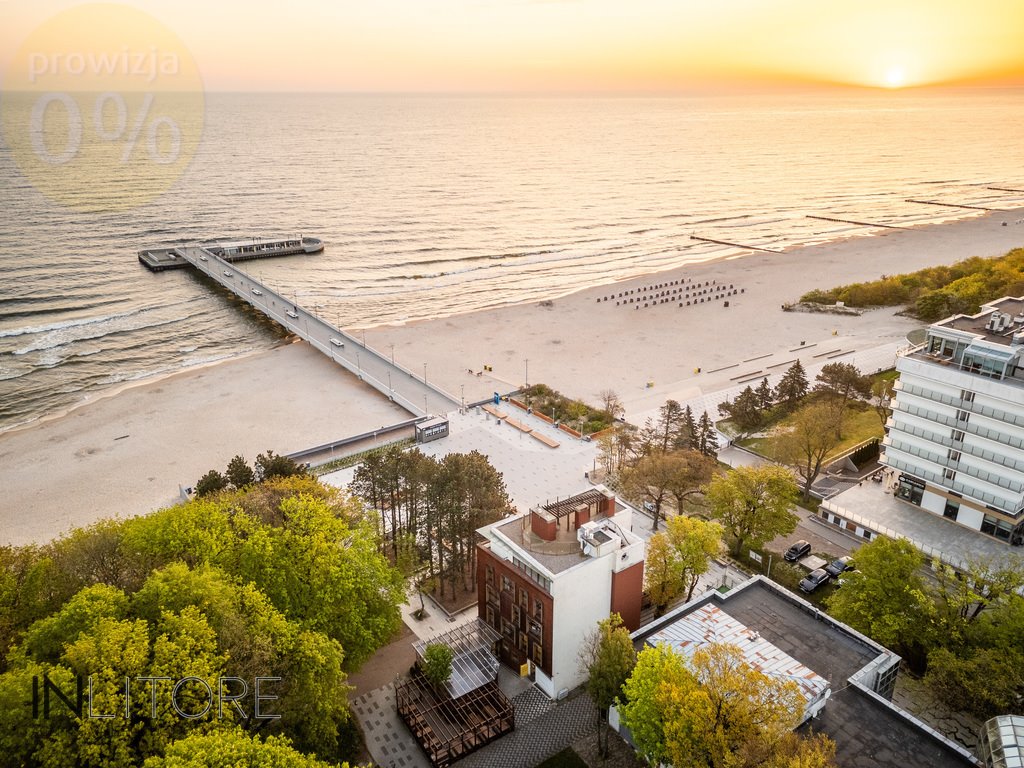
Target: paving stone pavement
{"x": 531, "y": 704}
{"x": 389, "y": 742}
{"x": 540, "y": 738}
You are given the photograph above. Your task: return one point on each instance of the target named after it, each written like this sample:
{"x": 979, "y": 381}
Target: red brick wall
{"x": 546, "y": 529}
{"x": 627, "y": 594}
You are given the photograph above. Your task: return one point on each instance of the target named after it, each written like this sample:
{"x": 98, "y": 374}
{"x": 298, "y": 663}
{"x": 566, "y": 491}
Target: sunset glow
{"x": 578, "y": 45}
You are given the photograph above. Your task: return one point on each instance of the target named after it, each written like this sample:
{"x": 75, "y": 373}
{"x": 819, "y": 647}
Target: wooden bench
{"x": 545, "y": 439}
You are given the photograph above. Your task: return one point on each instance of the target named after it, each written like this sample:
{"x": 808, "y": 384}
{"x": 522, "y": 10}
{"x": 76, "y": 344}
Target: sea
{"x": 431, "y": 206}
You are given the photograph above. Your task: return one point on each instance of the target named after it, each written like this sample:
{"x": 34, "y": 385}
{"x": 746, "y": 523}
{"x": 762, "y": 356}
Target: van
{"x": 337, "y": 342}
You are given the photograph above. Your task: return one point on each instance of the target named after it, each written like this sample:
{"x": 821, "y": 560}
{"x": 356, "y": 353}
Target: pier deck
{"x": 400, "y": 385}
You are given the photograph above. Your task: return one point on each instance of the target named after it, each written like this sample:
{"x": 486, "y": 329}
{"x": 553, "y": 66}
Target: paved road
{"x": 411, "y": 390}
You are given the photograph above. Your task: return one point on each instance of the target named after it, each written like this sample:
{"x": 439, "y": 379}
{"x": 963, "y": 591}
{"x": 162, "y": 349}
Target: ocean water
{"x": 432, "y": 206}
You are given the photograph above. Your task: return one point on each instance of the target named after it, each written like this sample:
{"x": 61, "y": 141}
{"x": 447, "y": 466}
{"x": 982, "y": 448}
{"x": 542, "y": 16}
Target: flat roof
{"x": 710, "y": 624}
{"x": 868, "y": 731}
{"x": 869, "y": 505}
{"x": 567, "y": 506}
{"x": 556, "y": 556}
{"x": 976, "y": 323}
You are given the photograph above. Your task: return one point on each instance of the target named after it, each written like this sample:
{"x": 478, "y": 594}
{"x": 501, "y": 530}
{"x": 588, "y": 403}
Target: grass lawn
{"x": 858, "y": 426}
{"x": 567, "y": 758}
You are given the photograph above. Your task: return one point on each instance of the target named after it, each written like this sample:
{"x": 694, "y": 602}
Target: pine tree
{"x": 707, "y": 440}
{"x": 765, "y": 396}
{"x": 690, "y": 428}
{"x": 793, "y": 386}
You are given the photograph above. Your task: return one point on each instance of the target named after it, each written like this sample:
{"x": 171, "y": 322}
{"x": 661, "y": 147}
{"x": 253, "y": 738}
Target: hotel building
{"x": 546, "y": 578}
{"x": 955, "y": 441}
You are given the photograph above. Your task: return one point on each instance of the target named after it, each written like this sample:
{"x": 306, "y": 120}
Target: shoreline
{"x": 125, "y": 452}
{"x": 741, "y": 255}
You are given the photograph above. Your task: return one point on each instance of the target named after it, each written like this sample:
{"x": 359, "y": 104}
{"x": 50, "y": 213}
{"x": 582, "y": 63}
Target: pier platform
{"x": 164, "y": 257}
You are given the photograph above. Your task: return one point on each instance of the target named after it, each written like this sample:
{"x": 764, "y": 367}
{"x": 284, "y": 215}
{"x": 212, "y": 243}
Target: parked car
{"x": 257, "y": 292}
{"x": 337, "y": 342}
{"x": 227, "y": 273}
{"x": 292, "y": 315}
{"x": 814, "y": 579}
{"x": 839, "y": 566}
{"x": 798, "y": 550}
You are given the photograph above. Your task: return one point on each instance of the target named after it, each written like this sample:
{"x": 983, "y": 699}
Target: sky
{"x": 557, "y": 46}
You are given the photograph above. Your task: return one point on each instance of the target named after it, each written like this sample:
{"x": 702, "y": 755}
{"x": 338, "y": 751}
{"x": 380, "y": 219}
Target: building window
{"x": 535, "y": 629}
{"x": 958, "y": 436}
{"x": 952, "y": 509}
{"x": 490, "y": 617}
{"x": 949, "y": 475}
{"x": 966, "y": 395}
{"x": 910, "y": 489}
{"x": 963, "y": 416}
{"x": 492, "y": 596}
{"x": 506, "y": 584}
{"x": 995, "y": 527}
{"x": 538, "y": 654}
{"x": 507, "y": 629}
{"x": 524, "y": 599}
{"x": 538, "y": 610}
{"x": 522, "y": 642}
{"x": 490, "y": 575}
{"x": 515, "y": 616}
{"x": 953, "y": 455}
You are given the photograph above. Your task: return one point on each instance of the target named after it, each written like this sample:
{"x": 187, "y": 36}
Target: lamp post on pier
{"x": 424, "y": 373}
{"x": 392, "y": 353}
{"x": 527, "y": 361}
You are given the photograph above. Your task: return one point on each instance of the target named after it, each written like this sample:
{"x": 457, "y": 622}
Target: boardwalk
{"x": 405, "y": 388}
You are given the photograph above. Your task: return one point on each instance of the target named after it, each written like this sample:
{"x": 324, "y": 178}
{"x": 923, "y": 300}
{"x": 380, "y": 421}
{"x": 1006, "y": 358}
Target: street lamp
{"x": 424, "y": 373}
{"x": 463, "y": 388}
{"x": 527, "y": 371}
{"x": 359, "y": 365}
{"x": 392, "y": 353}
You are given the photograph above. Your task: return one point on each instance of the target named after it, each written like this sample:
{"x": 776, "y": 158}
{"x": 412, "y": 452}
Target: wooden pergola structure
{"x": 470, "y": 711}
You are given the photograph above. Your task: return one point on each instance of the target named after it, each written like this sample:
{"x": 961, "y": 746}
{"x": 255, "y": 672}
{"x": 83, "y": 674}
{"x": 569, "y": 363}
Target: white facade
{"x": 956, "y": 434}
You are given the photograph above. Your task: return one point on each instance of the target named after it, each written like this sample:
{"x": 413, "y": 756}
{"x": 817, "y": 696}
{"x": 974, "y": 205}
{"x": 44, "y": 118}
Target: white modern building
{"x": 955, "y": 440}
{"x": 546, "y": 578}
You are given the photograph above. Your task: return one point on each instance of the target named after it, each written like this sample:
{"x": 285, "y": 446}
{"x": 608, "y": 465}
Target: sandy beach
{"x": 126, "y": 454}
{"x": 581, "y": 346}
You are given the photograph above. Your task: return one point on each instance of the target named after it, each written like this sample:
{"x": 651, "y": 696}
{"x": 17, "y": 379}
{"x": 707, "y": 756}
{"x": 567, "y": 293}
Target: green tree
{"x": 659, "y": 674}
{"x": 694, "y": 542}
{"x": 765, "y": 395}
{"x": 270, "y": 465}
{"x": 809, "y": 441}
{"x": 663, "y": 573}
{"x": 886, "y": 599}
{"x": 239, "y": 473}
{"x": 840, "y": 384}
{"x": 211, "y": 482}
{"x": 745, "y": 411}
{"x": 793, "y": 386}
{"x": 985, "y": 682}
{"x": 436, "y": 664}
{"x": 753, "y": 504}
{"x": 608, "y": 657}
{"x": 707, "y": 441}
{"x": 881, "y": 396}
{"x": 708, "y": 714}
{"x": 232, "y": 748}
{"x": 690, "y": 428}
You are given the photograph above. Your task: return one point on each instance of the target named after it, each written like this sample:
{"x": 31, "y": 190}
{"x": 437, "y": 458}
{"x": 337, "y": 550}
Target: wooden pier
{"x": 734, "y": 245}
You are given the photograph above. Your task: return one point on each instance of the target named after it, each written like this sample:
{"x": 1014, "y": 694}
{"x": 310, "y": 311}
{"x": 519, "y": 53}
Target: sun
{"x": 895, "y": 77}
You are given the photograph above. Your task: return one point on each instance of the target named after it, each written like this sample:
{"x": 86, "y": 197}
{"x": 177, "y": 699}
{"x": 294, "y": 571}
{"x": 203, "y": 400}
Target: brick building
{"x": 546, "y": 578}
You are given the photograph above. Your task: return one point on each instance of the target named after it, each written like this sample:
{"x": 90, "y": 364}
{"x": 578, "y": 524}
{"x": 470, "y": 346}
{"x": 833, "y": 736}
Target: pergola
{"x": 470, "y": 711}
{"x": 566, "y": 507}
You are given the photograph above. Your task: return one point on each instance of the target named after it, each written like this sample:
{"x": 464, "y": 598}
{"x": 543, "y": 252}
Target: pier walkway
{"x": 402, "y": 386}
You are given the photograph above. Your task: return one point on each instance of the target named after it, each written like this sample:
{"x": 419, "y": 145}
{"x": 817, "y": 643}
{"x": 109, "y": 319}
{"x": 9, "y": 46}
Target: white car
{"x": 227, "y": 274}
{"x": 292, "y": 315}
{"x": 337, "y": 342}
{"x": 203, "y": 258}
{"x": 257, "y": 292}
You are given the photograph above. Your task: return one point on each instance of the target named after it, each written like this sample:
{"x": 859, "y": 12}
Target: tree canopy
{"x": 608, "y": 657}
{"x": 753, "y": 504}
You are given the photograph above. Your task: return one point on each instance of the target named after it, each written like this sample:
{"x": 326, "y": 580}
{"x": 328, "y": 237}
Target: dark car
{"x": 814, "y": 579}
{"x": 840, "y": 566}
{"x": 798, "y": 550}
